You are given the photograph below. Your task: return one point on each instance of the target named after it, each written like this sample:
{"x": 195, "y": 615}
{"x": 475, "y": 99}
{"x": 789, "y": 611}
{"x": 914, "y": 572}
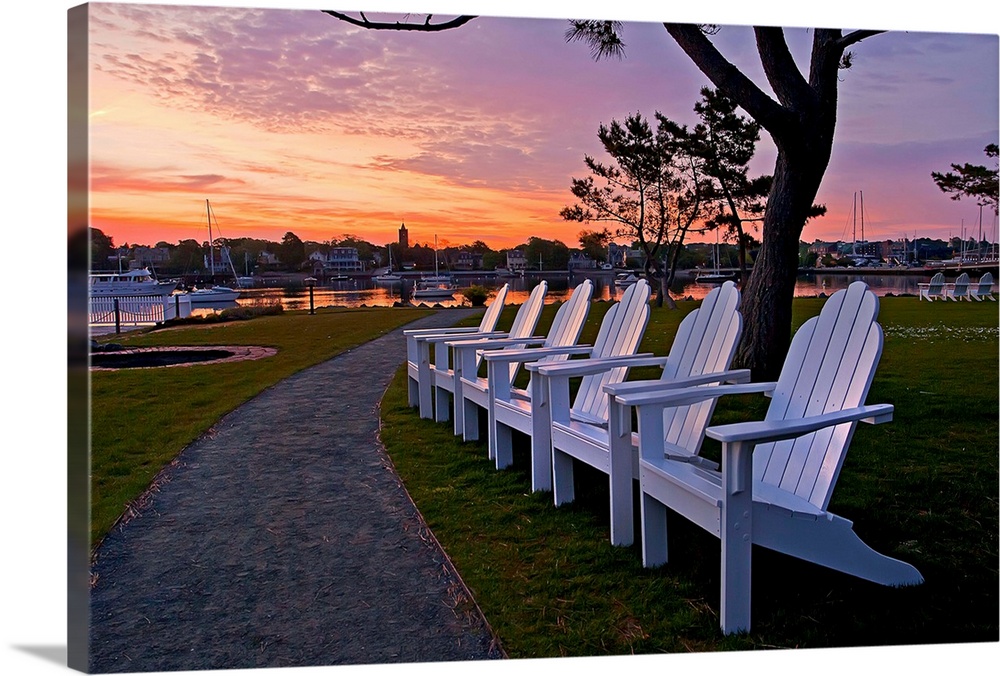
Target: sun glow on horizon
{"x": 290, "y": 122}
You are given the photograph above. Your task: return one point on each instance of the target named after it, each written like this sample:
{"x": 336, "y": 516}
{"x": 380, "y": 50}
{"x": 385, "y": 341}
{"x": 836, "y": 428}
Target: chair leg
{"x": 412, "y": 392}
{"x": 425, "y": 391}
{"x": 737, "y": 537}
{"x": 442, "y": 404}
{"x": 562, "y": 478}
{"x": 653, "y": 517}
{"x": 620, "y": 482}
{"x": 470, "y": 420}
{"x": 541, "y": 470}
{"x": 502, "y": 446}
{"x": 459, "y": 401}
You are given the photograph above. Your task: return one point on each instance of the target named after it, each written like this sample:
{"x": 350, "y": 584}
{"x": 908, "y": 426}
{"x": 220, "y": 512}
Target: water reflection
{"x": 357, "y": 293}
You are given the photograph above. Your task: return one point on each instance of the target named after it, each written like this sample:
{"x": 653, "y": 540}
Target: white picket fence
{"x": 137, "y": 310}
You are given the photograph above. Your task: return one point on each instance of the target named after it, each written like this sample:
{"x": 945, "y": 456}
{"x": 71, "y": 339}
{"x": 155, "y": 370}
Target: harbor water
{"x": 363, "y": 292}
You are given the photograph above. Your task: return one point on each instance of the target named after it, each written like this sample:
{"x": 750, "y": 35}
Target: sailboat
{"x": 437, "y": 286}
{"x": 214, "y": 293}
{"x": 388, "y": 277}
{"x": 716, "y": 276}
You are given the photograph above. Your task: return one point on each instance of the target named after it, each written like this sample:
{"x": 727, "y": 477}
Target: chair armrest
{"x": 585, "y": 367}
{"x": 639, "y": 386}
{"x": 534, "y": 354}
{"x": 776, "y": 430}
{"x": 665, "y": 397}
{"x": 496, "y": 343}
{"x": 440, "y": 331}
{"x": 469, "y": 336}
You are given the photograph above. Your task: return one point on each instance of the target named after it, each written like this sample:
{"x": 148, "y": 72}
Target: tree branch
{"x": 426, "y": 26}
{"x": 780, "y": 68}
{"x": 729, "y": 78}
{"x": 855, "y": 37}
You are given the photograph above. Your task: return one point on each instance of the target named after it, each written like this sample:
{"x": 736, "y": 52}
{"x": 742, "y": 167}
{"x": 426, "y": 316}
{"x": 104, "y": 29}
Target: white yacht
{"x": 131, "y": 283}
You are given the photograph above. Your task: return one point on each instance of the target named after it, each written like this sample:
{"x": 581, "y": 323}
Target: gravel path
{"x": 284, "y": 538}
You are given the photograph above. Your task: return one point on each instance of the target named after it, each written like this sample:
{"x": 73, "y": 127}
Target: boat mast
{"x": 718, "y": 258}
{"x": 211, "y": 251}
{"x": 854, "y": 233}
{"x": 862, "y": 194}
{"x": 979, "y": 242}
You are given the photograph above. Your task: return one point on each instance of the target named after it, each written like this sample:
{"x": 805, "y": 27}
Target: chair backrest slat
{"x": 570, "y": 317}
{"x": 937, "y": 282}
{"x": 985, "y": 284}
{"x": 705, "y": 342}
{"x": 619, "y": 335}
{"x": 492, "y": 315}
{"x": 525, "y": 322}
{"x": 830, "y": 366}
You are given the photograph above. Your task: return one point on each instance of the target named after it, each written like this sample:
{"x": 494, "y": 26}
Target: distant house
{"x": 220, "y": 260}
{"x": 617, "y": 254}
{"x": 266, "y": 259}
{"x": 516, "y": 260}
{"x": 143, "y": 256}
{"x": 578, "y": 260}
{"x": 338, "y": 259}
{"x": 466, "y": 260}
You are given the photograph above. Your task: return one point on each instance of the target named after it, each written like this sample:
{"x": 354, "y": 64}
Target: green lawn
{"x": 922, "y": 488}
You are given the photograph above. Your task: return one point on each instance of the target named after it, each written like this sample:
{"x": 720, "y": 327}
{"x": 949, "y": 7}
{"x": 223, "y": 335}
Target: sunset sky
{"x": 291, "y": 120}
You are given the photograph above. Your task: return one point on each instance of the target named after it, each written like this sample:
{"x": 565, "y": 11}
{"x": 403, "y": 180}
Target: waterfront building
{"x": 516, "y": 260}
{"x": 339, "y": 259}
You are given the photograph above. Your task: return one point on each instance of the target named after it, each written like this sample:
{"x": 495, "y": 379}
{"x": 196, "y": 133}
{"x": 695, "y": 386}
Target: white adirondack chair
{"x": 983, "y": 289}
{"x": 778, "y": 474}
{"x": 933, "y": 289}
{"x": 700, "y": 354}
{"x": 445, "y": 378}
{"x": 474, "y": 391}
{"x": 620, "y": 332}
{"x": 960, "y": 289}
{"x": 418, "y": 359}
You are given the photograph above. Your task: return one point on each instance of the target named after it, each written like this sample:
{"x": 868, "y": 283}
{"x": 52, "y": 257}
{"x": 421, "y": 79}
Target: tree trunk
{"x": 767, "y": 295}
{"x": 664, "y": 298}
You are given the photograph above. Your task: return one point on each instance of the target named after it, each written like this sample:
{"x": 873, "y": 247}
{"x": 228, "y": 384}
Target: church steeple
{"x": 404, "y": 237}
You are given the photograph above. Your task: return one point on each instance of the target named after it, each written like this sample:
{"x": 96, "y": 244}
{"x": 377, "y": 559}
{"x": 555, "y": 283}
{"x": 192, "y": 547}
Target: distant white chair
{"x": 933, "y": 289}
{"x": 700, "y": 354}
{"x": 960, "y": 289}
{"x": 418, "y": 359}
{"x": 473, "y": 391}
{"x": 445, "y": 377}
{"x": 778, "y": 474}
{"x": 620, "y": 333}
{"x": 983, "y": 289}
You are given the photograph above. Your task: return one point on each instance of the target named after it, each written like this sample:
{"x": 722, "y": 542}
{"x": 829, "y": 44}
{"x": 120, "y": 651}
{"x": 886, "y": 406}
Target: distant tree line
{"x": 291, "y": 253}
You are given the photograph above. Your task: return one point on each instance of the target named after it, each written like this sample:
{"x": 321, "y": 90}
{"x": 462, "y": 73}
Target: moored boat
{"x": 438, "y": 286}
{"x": 387, "y": 276}
{"x": 716, "y": 276}
{"x": 131, "y": 283}
{"x": 213, "y": 294}
{"x": 435, "y": 291}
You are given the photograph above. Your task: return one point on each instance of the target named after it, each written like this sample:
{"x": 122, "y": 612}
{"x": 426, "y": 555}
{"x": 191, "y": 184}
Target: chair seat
{"x": 515, "y": 413}
{"x": 443, "y": 378}
{"x": 707, "y": 485}
{"x": 477, "y": 390}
